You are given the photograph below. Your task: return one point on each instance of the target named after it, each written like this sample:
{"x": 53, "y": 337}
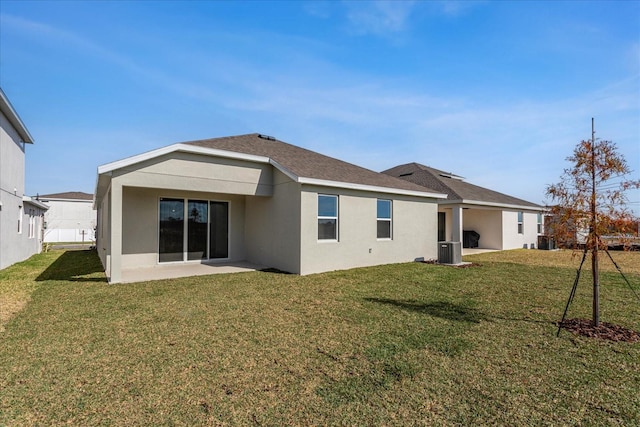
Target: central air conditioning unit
{"x": 449, "y": 253}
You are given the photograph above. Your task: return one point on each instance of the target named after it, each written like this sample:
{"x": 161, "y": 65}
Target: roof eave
{"x": 30, "y": 200}
{"x": 194, "y": 149}
{"x": 370, "y": 188}
{"x": 13, "y": 117}
{"x": 492, "y": 204}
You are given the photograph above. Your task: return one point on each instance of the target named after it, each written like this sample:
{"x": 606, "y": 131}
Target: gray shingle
{"x": 71, "y": 195}
{"x": 306, "y": 163}
{"x": 453, "y": 186}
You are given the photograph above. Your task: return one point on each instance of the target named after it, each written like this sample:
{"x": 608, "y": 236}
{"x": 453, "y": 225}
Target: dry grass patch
{"x": 628, "y": 261}
{"x": 18, "y": 282}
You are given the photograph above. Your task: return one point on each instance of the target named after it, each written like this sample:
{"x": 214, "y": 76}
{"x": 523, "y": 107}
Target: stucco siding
{"x": 192, "y": 172}
{"x": 514, "y": 240}
{"x": 12, "y": 156}
{"x": 26, "y": 241}
{"x": 141, "y": 228}
{"x": 103, "y": 237}
{"x": 273, "y": 226}
{"x": 448, "y": 221}
{"x": 414, "y": 232}
{"x": 14, "y": 246}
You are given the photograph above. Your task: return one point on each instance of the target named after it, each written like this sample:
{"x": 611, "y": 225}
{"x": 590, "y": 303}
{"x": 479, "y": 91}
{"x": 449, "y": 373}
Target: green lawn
{"x": 408, "y": 344}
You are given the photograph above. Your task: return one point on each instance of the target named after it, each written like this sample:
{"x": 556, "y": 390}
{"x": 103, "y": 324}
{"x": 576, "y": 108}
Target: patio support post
{"x": 456, "y": 226}
{"x": 116, "y": 232}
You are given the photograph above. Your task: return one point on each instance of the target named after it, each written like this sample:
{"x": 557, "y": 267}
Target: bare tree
{"x": 591, "y": 196}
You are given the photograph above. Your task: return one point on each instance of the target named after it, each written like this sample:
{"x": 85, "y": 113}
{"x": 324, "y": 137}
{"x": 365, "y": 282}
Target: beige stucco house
{"x": 501, "y": 221}
{"x": 20, "y": 215}
{"x": 256, "y": 199}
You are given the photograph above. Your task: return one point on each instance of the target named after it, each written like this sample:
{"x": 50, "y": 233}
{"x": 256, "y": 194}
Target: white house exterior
{"x": 70, "y": 218}
{"x": 256, "y": 199}
{"x": 502, "y": 221}
{"x": 20, "y": 216}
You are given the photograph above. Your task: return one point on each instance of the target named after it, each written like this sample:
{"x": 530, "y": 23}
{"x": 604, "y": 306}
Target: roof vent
{"x": 451, "y": 176}
{"x": 405, "y": 174}
{"x": 267, "y": 137}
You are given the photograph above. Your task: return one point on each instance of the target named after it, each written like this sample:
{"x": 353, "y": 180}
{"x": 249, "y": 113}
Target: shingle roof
{"x": 306, "y": 163}
{"x": 70, "y": 195}
{"x": 453, "y": 186}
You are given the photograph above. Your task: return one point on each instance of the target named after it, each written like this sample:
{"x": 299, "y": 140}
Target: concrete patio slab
{"x": 474, "y": 251}
{"x": 173, "y": 271}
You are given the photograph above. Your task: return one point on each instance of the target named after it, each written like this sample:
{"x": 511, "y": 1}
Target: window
{"x": 327, "y": 217}
{"x": 193, "y": 230}
{"x": 219, "y": 230}
{"x": 171, "y": 230}
{"x": 442, "y": 226}
{"x": 32, "y": 224}
{"x": 198, "y": 217}
{"x": 384, "y": 219}
{"x": 539, "y": 223}
{"x": 20, "y": 214}
{"x": 520, "y": 223}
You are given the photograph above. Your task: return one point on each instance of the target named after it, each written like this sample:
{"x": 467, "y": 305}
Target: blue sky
{"x": 498, "y": 92}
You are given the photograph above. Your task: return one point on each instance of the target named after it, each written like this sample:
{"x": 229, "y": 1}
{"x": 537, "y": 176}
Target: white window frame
{"x": 389, "y": 220}
{"x": 324, "y": 217}
{"x": 540, "y": 227}
{"x": 520, "y": 222}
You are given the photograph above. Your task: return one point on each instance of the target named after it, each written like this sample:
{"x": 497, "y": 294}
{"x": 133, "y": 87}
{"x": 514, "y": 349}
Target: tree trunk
{"x": 594, "y": 232}
{"x": 596, "y": 284}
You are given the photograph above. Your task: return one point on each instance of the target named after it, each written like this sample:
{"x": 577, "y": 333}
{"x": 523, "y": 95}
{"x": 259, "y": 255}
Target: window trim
{"x": 389, "y": 220}
{"x": 540, "y": 227}
{"x": 325, "y": 217}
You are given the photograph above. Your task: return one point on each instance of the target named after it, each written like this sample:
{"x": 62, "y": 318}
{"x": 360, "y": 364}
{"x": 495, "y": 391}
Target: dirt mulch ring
{"x": 605, "y": 331}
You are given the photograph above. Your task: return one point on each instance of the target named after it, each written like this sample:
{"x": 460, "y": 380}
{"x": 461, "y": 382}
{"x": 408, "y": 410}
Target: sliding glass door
{"x": 197, "y": 229}
{"x": 204, "y": 234}
{"x": 171, "y": 246}
{"x": 219, "y": 230}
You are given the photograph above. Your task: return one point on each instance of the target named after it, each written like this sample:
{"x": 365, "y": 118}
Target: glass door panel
{"x": 442, "y": 226}
{"x": 198, "y": 218}
{"x": 171, "y": 239}
{"x": 219, "y": 230}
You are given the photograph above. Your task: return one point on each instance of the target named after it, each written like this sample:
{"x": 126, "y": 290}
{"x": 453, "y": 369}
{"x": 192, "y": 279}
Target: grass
{"x": 407, "y": 344}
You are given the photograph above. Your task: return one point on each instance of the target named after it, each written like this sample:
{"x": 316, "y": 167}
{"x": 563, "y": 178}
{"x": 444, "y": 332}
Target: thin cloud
{"x": 456, "y": 8}
{"x": 47, "y": 34}
{"x": 379, "y": 17}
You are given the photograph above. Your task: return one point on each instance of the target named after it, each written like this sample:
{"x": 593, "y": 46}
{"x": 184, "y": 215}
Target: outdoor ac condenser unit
{"x": 449, "y": 253}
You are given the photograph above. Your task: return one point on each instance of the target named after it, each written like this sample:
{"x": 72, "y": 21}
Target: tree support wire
{"x": 623, "y": 276}
{"x": 575, "y": 285}
{"x": 573, "y": 291}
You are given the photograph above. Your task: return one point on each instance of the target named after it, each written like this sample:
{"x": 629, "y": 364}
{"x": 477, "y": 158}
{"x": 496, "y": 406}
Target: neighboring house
{"x": 20, "y": 216}
{"x": 256, "y": 199}
{"x": 501, "y": 221}
{"x": 70, "y": 218}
